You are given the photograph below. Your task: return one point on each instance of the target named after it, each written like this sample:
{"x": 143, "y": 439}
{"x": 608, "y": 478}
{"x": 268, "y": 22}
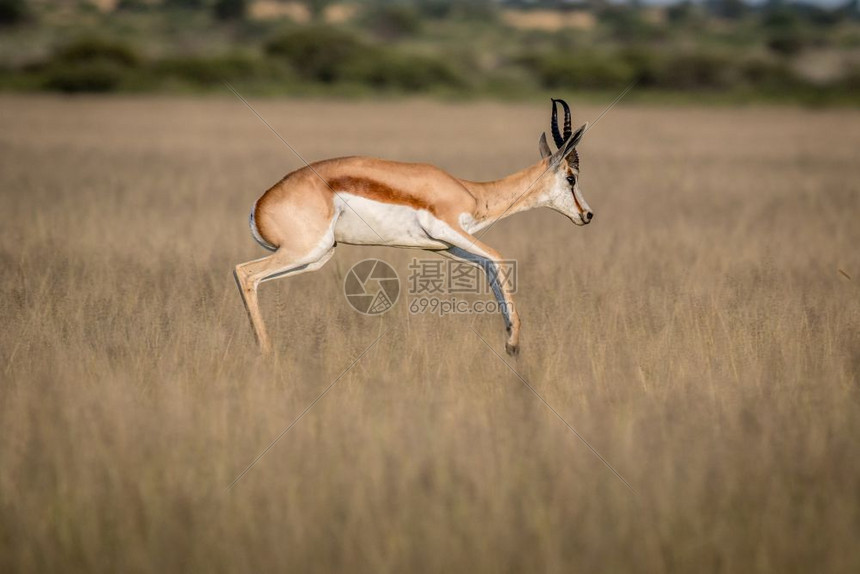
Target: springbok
{"x": 369, "y": 201}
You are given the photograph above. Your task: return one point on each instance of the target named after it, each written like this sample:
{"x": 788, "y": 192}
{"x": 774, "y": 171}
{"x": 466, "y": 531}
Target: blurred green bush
{"x": 442, "y": 46}
{"x": 697, "y": 70}
{"x": 330, "y": 55}
{"x": 384, "y": 69}
{"x": 652, "y": 68}
{"x": 90, "y": 64}
{"x": 484, "y": 10}
{"x": 393, "y": 21}
{"x": 13, "y": 12}
{"x": 784, "y": 32}
{"x": 214, "y": 70}
{"x": 230, "y": 9}
{"x": 319, "y": 53}
{"x": 90, "y": 48}
{"x": 581, "y": 70}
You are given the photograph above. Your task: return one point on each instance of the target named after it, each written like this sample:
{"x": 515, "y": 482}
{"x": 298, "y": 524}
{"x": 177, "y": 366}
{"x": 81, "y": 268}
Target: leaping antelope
{"x": 369, "y": 201}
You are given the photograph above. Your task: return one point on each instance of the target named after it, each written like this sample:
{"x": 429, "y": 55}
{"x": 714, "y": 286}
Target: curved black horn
{"x": 567, "y": 129}
{"x": 560, "y": 137}
{"x": 556, "y": 134}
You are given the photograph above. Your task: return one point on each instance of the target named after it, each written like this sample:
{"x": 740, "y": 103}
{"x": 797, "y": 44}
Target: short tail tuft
{"x": 256, "y": 232}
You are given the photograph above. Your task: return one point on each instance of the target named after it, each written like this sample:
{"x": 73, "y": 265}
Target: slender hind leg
{"x": 280, "y": 264}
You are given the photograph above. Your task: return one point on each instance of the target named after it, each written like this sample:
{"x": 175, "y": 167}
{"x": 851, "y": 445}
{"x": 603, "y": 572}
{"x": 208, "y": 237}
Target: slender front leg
{"x": 465, "y": 247}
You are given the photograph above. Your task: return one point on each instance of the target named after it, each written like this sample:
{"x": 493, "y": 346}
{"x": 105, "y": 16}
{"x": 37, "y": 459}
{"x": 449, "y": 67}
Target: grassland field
{"x": 703, "y": 335}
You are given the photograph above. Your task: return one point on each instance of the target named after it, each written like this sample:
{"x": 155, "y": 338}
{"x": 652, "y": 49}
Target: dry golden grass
{"x": 698, "y": 334}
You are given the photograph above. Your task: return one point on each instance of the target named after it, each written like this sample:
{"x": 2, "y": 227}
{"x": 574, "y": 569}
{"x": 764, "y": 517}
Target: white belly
{"x": 367, "y": 222}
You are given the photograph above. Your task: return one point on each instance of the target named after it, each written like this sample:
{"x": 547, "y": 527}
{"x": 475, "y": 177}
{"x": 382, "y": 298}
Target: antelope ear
{"x": 544, "y": 146}
{"x": 577, "y": 135}
{"x": 570, "y": 145}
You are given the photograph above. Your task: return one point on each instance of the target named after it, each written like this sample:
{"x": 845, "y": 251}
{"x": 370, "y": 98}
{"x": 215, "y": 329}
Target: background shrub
{"x": 765, "y": 73}
{"x": 789, "y": 42}
{"x": 408, "y": 72}
{"x": 457, "y": 9}
{"x": 784, "y": 32}
{"x": 647, "y": 65}
{"x": 393, "y": 21}
{"x": 90, "y": 64}
{"x": 13, "y": 12}
{"x": 90, "y": 48}
{"x": 582, "y": 70}
{"x": 319, "y": 53}
{"x": 697, "y": 70}
{"x": 452, "y": 44}
{"x": 133, "y": 6}
{"x": 626, "y": 25}
{"x": 230, "y": 9}
{"x": 95, "y": 76}
{"x": 212, "y": 71}
{"x": 185, "y": 4}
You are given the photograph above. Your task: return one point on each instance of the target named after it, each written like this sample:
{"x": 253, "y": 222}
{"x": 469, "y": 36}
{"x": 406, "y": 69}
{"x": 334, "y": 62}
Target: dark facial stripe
{"x": 576, "y": 200}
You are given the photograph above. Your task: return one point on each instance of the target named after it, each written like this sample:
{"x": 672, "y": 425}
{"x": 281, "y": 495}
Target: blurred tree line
{"x": 778, "y": 49}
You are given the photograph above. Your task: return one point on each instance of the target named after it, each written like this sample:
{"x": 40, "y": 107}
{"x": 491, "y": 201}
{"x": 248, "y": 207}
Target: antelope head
{"x": 561, "y": 190}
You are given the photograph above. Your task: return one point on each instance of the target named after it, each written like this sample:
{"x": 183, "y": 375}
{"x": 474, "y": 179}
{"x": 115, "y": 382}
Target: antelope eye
{"x": 571, "y": 179}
